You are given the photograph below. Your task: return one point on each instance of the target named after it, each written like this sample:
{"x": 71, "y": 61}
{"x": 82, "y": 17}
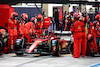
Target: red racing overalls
{"x": 12, "y": 33}
{"x": 39, "y": 29}
{"x": 94, "y": 32}
{"x": 24, "y": 31}
{"x": 30, "y": 27}
{"x": 77, "y": 30}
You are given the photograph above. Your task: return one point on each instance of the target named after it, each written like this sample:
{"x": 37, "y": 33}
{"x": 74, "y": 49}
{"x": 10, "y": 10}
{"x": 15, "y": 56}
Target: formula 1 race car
{"x": 50, "y": 45}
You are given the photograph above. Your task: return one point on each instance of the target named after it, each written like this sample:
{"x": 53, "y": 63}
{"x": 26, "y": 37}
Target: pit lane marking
{"x": 66, "y": 55}
{"x": 11, "y": 54}
{"x": 31, "y": 61}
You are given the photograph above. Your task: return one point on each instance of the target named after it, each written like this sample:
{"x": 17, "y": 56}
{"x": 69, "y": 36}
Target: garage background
{"x": 31, "y": 11}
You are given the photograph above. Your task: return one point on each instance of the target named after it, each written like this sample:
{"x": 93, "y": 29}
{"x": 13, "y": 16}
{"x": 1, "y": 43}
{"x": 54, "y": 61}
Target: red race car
{"x": 50, "y": 44}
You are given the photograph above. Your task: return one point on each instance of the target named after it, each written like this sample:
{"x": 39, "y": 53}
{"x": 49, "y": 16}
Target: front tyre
{"x": 19, "y": 54}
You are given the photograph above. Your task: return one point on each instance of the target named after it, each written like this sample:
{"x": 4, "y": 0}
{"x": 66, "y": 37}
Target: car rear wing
{"x": 63, "y": 32}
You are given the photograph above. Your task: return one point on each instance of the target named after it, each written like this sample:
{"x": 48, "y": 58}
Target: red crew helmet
{"x": 96, "y": 22}
{"x": 39, "y": 16}
{"x": 14, "y": 14}
{"x": 33, "y": 19}
{"x": 97, "y": 17}
{"x": 2, "y": 31}
{"x": 77, "y": 15}
{"x": 24, "y": 16}
{"x": 90, "y": 37}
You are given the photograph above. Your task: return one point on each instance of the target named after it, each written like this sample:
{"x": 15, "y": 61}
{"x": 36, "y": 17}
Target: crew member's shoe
{"x": 83, "y": 55}
{"x": 76, "y": 56}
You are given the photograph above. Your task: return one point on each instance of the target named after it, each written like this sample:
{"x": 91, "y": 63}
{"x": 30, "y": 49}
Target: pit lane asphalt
{"x": 30, "y": 60}
{"x": 65, "y": 60}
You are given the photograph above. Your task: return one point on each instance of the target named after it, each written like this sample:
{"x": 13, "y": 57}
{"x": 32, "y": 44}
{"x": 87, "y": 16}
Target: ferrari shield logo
{"x": 23, "y": 24}
{"x": 15, "y": 20}
{"x": 92, "y": 27}
{"x": 79, "y": 27}
{"x": 78, "y": 21}
{"x": 11, "y": 14}
{"x": 12, "y": 22}
{"x": 38, "y": 23}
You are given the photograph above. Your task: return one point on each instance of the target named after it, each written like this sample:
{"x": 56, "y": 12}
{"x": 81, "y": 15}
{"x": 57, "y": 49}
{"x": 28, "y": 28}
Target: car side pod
{"x": 34, "y": 45}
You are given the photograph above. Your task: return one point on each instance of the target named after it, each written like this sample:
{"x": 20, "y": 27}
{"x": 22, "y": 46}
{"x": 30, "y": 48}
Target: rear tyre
{"x": 70, "y": 47}
{"x": 58, "y": 48}
{"x": 1, "y": 44}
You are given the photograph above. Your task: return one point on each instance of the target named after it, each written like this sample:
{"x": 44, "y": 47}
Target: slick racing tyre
{"x": 19, "y": 54}
{"x": 71, "y": 48}
{"x": 1, "y": 44}
{"x": 58, "y": 49}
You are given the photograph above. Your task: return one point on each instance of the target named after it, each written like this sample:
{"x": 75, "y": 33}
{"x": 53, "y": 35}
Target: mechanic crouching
{"x": 77, "y": 30}
{"x": 2, "y": 37}
{"x": 96, "y": 34}
{"x": 91, "y": 41}
{"x": 97, "y": 24}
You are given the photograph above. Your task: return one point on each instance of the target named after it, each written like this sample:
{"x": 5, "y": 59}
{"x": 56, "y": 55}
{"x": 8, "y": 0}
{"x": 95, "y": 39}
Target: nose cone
{"x": 30, "y": 50}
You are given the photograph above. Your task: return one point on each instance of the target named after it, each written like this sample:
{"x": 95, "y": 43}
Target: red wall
{"x": 5, "y": 11}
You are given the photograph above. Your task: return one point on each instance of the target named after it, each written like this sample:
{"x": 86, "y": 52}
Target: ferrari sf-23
{"x": 49, "y": 44}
